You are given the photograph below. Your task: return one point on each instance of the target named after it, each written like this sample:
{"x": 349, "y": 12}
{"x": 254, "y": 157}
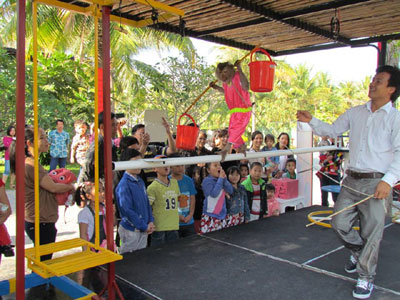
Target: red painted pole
{"x": 379, "y": 54}
{"x": 20, "y": 152}
{"x": 107, "y": 145}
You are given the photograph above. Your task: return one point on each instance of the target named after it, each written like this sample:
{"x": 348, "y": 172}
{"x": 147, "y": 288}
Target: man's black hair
{"x": 101, "y": 117}
{"x": 394, "y": 79}
{"x": 59, "y": 120}
{"x": 136, "y": 128}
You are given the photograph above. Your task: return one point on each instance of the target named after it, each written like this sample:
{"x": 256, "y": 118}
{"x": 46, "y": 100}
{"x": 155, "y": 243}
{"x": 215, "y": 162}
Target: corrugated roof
{"x": 280, "y": 26}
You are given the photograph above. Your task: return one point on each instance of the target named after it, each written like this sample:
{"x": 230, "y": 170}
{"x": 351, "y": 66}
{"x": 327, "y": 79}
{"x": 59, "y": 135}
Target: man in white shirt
{"x": 374, "y": 167}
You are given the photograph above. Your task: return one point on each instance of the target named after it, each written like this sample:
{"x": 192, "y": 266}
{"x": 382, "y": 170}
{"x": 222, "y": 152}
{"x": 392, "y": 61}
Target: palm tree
{"x": 74, "y": 34}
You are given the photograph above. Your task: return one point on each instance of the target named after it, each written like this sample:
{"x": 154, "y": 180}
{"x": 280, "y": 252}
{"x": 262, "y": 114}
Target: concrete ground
{"x": 67, "y": 229}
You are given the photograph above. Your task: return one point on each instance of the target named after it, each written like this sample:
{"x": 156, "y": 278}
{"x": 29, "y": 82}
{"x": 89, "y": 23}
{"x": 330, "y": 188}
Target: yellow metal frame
{"x": 67, "y": 264}
{"x": 70, "y": 263}
{"x": 94, "y": 10}
{"x": 311, "y": 215}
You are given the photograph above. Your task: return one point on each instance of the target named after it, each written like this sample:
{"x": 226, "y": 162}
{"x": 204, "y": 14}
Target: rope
{"x": 340, "y": 211}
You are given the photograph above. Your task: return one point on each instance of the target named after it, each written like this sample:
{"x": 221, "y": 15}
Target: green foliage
{"x": 7, "y": 89}
{"x": 172, "y": 85}
{"x": 65, "y": 90}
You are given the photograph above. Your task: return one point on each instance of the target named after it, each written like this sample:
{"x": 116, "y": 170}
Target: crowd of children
{"x": 182, "y": 201}
{"x": 157, "y": 206}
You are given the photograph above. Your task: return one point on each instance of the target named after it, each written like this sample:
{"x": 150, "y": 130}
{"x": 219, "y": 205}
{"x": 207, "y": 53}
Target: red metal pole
{"x": 379, "y": 54}
{"x": 20, "y": 152}
{"x": 107, "y": 145}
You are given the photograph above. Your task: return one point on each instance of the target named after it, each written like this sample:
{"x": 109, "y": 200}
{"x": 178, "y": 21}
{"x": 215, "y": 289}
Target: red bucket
{"x": 186, "y": 136}
{"x": 261, "y": 73}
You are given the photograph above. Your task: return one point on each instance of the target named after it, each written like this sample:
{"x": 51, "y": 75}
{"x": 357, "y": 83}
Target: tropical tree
{"x": 65, "y": 90}
{"x": 173, "y": 85}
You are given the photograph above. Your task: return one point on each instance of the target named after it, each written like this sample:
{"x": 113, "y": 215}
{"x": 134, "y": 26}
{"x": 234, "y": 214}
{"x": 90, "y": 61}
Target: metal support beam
{"x": 354, "y": 43}
{"x": 382, "y": 53}
{"x": 107, "y": 143}
{"x": 288, "y": 15}
{"x": 208, "y": 38}
{"x": 275, "y": 16}
{"x": 91, "y": 11}
{"x": 20, "y": 151}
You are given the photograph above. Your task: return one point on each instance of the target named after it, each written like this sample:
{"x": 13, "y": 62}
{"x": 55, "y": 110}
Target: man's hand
{"x": 166, "y": 125}
{"x": 303, "y": 116}
{"x": 382, "y": 190}
{"x": 146, "y": 139}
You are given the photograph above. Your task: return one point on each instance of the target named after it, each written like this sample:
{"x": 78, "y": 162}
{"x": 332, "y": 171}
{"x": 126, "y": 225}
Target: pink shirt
{"x": 7, "y": 140}
{"x": 273, "y": 205}
{"x": 235, "y": 95}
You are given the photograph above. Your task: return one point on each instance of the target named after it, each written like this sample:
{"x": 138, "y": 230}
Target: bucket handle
{"x": 185, "y": 114}
{"x": 261, "y": 50}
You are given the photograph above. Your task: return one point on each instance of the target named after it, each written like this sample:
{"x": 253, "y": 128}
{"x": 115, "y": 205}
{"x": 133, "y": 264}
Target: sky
{"x": 342, "y": 64}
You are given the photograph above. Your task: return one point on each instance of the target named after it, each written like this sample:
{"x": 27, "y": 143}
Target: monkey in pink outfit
{"x": 235, "y": 87}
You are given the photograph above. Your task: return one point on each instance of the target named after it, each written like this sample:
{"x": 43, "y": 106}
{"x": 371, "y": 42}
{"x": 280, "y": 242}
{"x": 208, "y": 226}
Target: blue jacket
{"x": 237, "y": 203}
{"x": 212, "y": 186}
{"x": 133, "y": 203}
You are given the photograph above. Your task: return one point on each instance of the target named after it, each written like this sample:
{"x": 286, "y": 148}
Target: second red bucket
{"x": 261, "y": 73}
{"x": 186, "y": 135}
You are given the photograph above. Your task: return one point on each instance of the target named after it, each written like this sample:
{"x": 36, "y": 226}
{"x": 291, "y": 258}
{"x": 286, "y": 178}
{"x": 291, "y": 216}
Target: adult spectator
{"x": 59, "y": 140}
{"x": 256, "y": 143}
{"x": 282, "y": 144}
{"x": 220, "y": 140}
{"x": 150, "y": 150}
{"x": 199, "y": 150}
{"x": 87, "y": 173}
{"x": 374, "y": 167}
{"x": 48, "y": 205}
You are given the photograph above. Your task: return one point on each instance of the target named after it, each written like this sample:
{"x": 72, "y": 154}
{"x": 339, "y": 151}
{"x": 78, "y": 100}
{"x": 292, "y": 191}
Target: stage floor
{"x": 275, "y": 258}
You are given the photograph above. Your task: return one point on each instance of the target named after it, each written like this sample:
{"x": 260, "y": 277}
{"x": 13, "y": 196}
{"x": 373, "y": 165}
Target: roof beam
{"x": 293, "y": 22}
{"x": 208, "y": 38}
{"x": 354, "y": 43}
{"x": 288, "y": 14}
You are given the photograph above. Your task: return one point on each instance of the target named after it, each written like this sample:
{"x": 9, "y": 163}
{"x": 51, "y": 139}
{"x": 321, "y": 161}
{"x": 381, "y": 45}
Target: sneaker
{"x": 351, "y": 266}
{"x": 363, "y": 289}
